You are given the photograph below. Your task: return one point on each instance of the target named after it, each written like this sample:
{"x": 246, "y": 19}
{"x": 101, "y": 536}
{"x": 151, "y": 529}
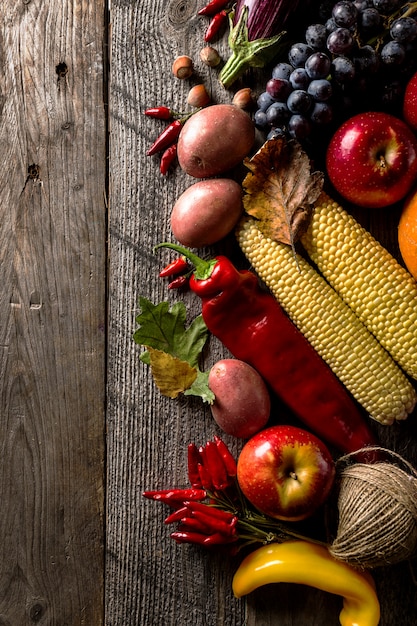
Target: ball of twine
{"x": 377, "y": 506}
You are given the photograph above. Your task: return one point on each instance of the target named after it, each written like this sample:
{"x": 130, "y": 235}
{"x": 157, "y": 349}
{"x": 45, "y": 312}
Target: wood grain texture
{"x": 149, "y": 579}
{"x": 52, "y": 312}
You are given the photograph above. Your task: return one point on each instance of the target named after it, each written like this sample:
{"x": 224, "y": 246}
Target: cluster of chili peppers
{"x": 213, "y": 511}
{"x": 216, "y": 11}
{"x": 166, "y": 142}
{"x": 211, "y": 472}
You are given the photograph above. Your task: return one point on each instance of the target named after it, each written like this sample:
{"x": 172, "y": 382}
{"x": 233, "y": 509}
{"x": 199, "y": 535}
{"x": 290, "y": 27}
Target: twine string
{"x": 377, "y": 511}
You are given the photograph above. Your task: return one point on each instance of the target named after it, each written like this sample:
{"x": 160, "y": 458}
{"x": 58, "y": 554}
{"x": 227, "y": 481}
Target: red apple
{"x": 285, "y": 472}
{"x": 372, "y": 159}
{"x": 410, "y": 102}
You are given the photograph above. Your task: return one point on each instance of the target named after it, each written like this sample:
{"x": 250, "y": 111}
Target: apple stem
{"x": 293, "y": 475}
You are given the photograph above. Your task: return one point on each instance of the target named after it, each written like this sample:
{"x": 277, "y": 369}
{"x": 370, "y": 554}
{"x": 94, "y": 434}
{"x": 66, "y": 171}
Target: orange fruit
{"x": 407, "y": 234}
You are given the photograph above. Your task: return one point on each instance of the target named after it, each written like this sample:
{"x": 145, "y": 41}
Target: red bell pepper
{"x": 254, "y": 328}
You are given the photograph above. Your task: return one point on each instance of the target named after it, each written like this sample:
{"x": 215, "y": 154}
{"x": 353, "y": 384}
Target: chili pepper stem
{"x": 245, "y": 53}
{"x": 203, "y": 268}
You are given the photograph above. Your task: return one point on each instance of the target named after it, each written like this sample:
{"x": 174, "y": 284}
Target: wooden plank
{"x": 52, "y": 311}
{"x": 149, "y": 579}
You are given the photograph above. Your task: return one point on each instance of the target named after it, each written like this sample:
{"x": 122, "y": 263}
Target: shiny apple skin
{"x": 371, "y": 159}
{"x": 285, "y": 472}
{"x": 410, "y": 102}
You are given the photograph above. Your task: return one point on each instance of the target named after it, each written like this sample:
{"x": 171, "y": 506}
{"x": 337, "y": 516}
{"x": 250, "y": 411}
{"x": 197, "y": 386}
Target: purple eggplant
{"x": 257, "y": 32}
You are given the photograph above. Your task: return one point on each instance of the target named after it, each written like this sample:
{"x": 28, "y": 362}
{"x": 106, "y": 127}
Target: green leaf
{"x": 201, "y": 388}
{"x": 164, "y": 329}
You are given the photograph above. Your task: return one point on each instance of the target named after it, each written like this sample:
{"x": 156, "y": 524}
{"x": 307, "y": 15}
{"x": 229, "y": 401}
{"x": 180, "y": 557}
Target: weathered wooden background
{"x": 83, "y": 429}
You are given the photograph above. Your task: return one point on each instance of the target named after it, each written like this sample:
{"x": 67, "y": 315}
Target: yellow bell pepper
{"x": 311, "y": 564}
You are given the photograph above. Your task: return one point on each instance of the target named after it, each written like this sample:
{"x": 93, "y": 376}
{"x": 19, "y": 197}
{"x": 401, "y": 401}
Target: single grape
{"x": 299, "y": 53}
{"x": 318, "y": 65}
{"x": 386, "y": 6}
{"x": 316, "y": 36}
{"x": 366, "y": 60}
{"x": 282, "y": 70}
{"x": 340, "y": 41}
{"x": 322, "y": 113}
{"x": 299, "y": 127}
{"x": 260, "y": 119}
{"x": 264, "y": 100}
{"x": 404, "y": 29}
{"x": 343, "y": 69}
{"x": 361, "y": 5}
{"x": 299, "y": 78}
{"x": 299, "y": 101}
{"x": 279, "y": 88}
{"x": 345, "y": 13}
{"x": 277, "y": 114}
{"x": 320, "y": 90}
{"x": 370, "y": 21}
{"x": 393, "y": 53}
{"x": 330, "y": 26}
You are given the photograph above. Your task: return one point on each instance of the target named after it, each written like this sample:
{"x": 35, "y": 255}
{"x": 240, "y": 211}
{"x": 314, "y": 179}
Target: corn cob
{"x": 378, "y": 289}
{"x": 333, "y": 329}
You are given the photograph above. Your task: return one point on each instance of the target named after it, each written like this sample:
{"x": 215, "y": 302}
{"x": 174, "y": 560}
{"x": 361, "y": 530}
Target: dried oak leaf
{"x": 171, "y": 375}
{"x": 280, "y": 189}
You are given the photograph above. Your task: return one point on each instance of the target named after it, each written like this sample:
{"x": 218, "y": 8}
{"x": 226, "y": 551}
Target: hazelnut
{"x": 183, "y": 67}
{"x": 210, "y": 56}
{"x": 243, "y": 98}
{"x": 198, "y": 96}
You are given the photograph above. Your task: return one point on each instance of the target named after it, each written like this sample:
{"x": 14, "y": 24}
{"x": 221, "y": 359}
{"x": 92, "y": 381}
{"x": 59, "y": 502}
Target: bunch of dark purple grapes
{"x": 358, "y": 56}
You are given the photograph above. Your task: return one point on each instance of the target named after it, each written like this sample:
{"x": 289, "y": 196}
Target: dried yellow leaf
{"x": 171, "y": 375}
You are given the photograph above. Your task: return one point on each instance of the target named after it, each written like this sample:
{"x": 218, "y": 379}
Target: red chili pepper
{"x": 218, "y": 539}
{"x": 202, "y": 540}
{"x": 168, "y": 136}
{"x": 228, "y": 458}
{"x": 159, "y": 113}
{"x": 215, "y": 466}
{"x": 205, "y": 477}
{"x": 177, "y": 283}
{"x": 215, "y": 524}
{"x": 175, "y": 496}
{"x": 215, "y": 25}
{"x": 176, "y": 516}
{"x": 179, "y": 266}
{"x": 253, "y": 326}
{"x": 194, "y": 524}
{"x": 213, "y": 7}
{"x": 188, "y": 537}
{"x": 213, "y": 511}
{"x": 167, "y": 158}
{"x": 193, "y": 461}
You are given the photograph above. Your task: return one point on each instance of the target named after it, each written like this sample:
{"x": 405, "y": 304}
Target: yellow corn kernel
{"x": 379, "y": 290}
{"x": 333, "y": 329}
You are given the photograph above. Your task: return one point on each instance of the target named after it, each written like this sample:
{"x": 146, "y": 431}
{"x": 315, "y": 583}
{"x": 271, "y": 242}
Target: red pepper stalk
{"x": 255, "y": 36}
{"x": 254, "y": 328}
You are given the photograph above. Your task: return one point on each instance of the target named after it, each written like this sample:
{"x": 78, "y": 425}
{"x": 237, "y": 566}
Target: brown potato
{"x": 214, "y": 140}
{"x": 206, "y": 212}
